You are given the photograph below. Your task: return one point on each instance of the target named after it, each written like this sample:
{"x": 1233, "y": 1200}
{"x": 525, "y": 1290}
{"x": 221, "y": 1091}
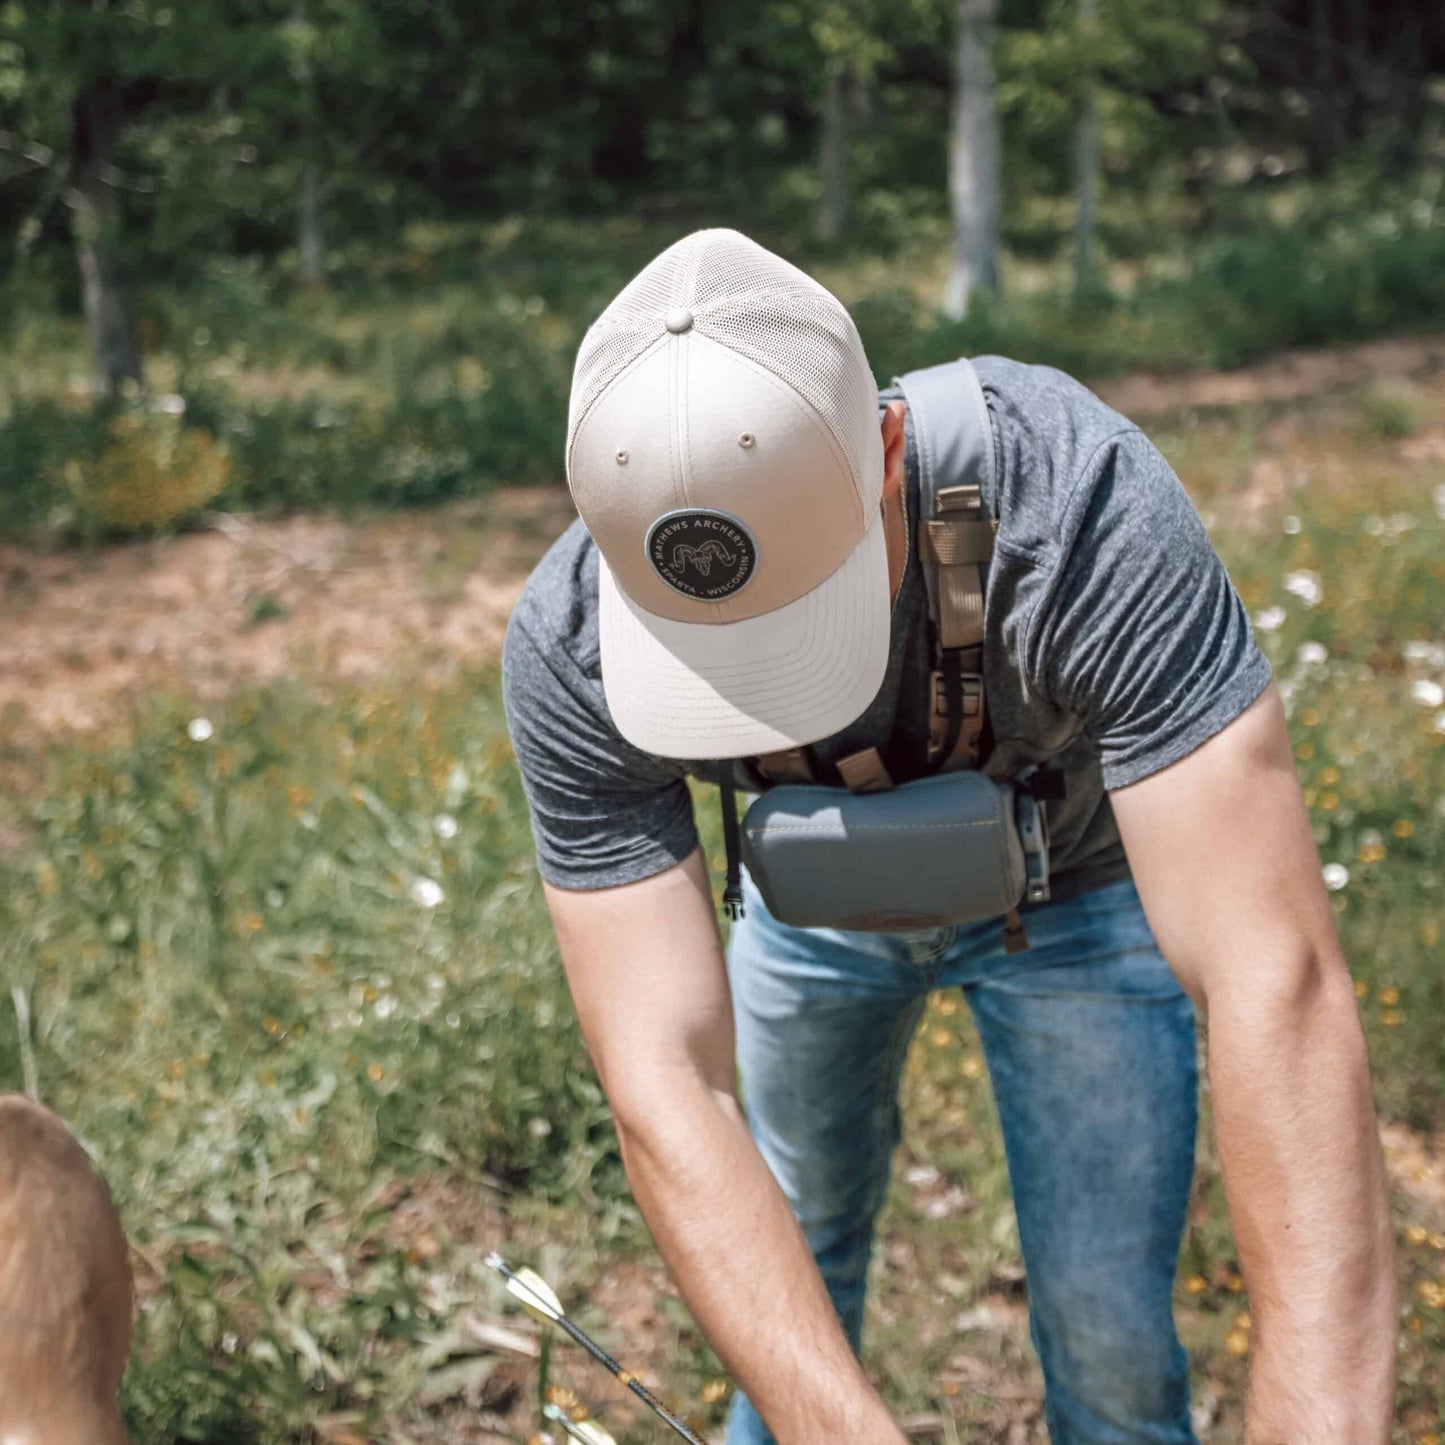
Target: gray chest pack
{"x": 952, "y": 846}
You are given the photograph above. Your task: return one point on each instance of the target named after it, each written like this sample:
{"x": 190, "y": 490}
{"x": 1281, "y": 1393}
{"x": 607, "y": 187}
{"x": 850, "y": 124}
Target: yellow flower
{"x": 1329, "y": 776}
{"x": 271, "y": 1025}
{"x": 1389, "y": 996}
{"x": 1416, "y": 1233}
{"x": 1304, "y": 752}
{"x": 1362, "y": 989}
{"x": 375, "y": 1073}
{"x": 1195, "y": 1284}
{"x": 1243, "y": 1322}
{"x": 1236, "y": 1342}
{"x": 940, "y": 1038}
{"x": 972, "y": 1067}
{"x": 1403, "y": 828}
{"x": 1309, "y": 717}
{"x": 1329, "y": 801}
{"x": 713, "y": 1391}
{"x": 1390, "y": 1017}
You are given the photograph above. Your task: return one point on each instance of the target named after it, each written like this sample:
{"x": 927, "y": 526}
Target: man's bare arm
{"x": 646, "y": 971}
{"x": 1221, "y": 849}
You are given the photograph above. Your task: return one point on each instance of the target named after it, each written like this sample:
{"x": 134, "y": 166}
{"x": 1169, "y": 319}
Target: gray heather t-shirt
{"x": 1114, "y": 645}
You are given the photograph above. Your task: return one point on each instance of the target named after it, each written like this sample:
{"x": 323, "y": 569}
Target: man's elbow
{"x": 1289, "y": 985}
{"x": 657, "y": 1108}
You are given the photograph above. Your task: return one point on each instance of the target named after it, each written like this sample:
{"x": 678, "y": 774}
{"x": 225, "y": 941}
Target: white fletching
{"x": 531, "y": 1290}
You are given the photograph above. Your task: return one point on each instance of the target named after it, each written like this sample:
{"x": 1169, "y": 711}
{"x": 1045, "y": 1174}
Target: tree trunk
{"x": 973, "y": 167}
{"x": 312, "y": 240}
{"x": 1086, "y": 163}
{"x": 109, "y": 320}
{"x": 832, "y": 213}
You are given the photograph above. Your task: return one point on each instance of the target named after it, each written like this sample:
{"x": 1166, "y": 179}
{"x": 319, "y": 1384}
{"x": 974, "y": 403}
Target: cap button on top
{"x": 678, "y": 320}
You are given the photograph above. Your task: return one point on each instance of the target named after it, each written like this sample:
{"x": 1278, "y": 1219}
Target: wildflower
{"x": 1389, "y": 997}
{"x": 1440, "y": 723}
{"x": 1427, "y": 692}
{"x": 1270, "y": 620}
{"x": 426, "y": 892}
{"x": 1391, "y": 1017}
{"x": 1336, "y": 875}
{"x": 713, "y": 1391}
{"x": 1403, "y": 828}
{"x": 445, "y": 825}
{"x": 1313, "y": 654}
{"x": 1195, "y": 1284}
{"x": 375, "y": 1073}
{"x": 1291, "y": 526}
{"x": 1236, "y": 1343}
{"x": 199, "y": 729}
{"x": 1416, "y": 1233}
{"x": 1305, "y": 585}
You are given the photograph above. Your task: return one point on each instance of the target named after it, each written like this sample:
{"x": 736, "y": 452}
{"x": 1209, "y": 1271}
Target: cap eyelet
{"x": 746, "y": 440}
{"x": 621, "y": 458}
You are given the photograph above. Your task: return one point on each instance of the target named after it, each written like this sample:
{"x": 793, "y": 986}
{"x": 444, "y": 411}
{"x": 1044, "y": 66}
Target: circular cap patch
{"x": 703, "y": 554}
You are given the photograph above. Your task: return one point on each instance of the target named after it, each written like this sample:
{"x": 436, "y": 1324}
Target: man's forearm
{"x": 735, "y": 1250}
{"x": 1299, "y": 1145}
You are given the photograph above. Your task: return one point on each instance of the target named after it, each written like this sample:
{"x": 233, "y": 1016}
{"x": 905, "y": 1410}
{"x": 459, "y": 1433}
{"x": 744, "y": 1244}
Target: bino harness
{"x": 952, "y": 846}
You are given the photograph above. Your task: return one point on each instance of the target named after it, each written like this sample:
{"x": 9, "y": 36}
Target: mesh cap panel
{"x": 758, "y": 305}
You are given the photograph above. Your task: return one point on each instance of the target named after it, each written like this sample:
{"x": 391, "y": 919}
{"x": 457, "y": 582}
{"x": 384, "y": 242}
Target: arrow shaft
{"x": 581, "y": 1337}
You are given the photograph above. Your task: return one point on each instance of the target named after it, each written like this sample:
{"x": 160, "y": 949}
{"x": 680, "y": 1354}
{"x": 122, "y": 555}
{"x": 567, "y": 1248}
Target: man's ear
{"x": 892, "y": 424}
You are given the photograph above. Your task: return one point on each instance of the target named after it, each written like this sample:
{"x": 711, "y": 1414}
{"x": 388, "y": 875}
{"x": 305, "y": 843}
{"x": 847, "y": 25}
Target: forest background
{"x": 289, "y": 296}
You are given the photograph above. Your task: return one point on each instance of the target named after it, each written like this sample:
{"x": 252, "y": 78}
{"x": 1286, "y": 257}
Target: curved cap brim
{"x": 726, "y": 690}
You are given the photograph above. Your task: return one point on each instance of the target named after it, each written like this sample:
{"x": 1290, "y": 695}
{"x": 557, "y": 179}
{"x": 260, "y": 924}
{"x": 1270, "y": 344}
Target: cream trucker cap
{"x": 724, "y": 452}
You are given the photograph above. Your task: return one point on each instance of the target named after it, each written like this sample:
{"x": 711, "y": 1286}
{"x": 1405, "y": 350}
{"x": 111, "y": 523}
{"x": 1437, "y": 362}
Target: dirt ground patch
{"x": 1291, "y": 376}
{"x": 82, "y": 632}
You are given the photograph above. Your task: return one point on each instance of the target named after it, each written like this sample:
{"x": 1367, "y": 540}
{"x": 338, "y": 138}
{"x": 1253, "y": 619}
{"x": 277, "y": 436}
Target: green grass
{"x": 293, "y": 984}
{"x": 439, "y": 365}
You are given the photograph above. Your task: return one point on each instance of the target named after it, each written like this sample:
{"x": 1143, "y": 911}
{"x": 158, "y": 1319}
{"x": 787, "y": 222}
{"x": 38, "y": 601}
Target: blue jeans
{"x": 1090, "y": 1047}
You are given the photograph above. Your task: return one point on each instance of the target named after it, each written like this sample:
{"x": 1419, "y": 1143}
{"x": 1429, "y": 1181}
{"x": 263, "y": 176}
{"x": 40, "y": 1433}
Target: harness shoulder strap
{"x": 954, "y": 444}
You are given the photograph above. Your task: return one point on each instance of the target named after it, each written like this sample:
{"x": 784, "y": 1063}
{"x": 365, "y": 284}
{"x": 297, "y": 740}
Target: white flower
{"x": 1439, "y": 495}
{"x": 199, "y": 729}
{"x": 539, "y": 1128}
{"x": 385, "y": 1006}
{"x": 1371, "y": 837}
{"x": 445, "y": 825}
{"x": 1336, "y": 875}
{"x": 1270, "y": 620}
{"x": 1426, "y": 692}
{"x": 169, "y": 404}
{"x": 1427, "y": 654}
{"x": 1311, "y": 654}
{"x": 1375, "y": 526}
{"x": 427, "y": 892}
{"x": 1440, "y": 728}
{"x": 1305, "y": 585}
{"x": 1291, "y": 526}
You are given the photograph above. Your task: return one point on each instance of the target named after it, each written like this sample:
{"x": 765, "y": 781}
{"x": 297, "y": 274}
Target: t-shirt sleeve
{"x": 603, "y": 813}
{"x": 1140, "y": 632}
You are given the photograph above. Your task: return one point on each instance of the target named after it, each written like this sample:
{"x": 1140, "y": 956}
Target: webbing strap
{"x": 954, "y": 443}
{"x": 790, "y": 765}
{"x": 865, "y": 772}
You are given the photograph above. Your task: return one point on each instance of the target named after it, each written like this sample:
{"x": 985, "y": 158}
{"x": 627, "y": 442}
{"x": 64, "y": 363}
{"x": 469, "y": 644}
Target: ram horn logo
{"x": 701, "y": 557}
